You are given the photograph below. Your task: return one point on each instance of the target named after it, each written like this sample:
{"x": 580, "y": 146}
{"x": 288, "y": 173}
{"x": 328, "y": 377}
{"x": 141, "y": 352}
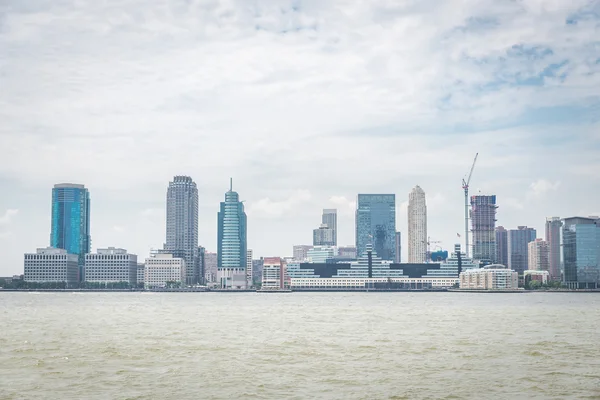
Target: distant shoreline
{"x": 203, "y": 290}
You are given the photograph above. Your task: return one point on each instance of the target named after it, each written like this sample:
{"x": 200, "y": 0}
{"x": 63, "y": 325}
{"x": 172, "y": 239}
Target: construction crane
{"x": 465, "y": 186}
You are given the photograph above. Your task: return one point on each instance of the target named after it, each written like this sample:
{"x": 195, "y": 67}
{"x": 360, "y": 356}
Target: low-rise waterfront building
{"x": 51, "y": 265}
{"x": 111, "y": 265}
{"x": 274, "y": 274}
{"x": 536, "y": 276}
{"x": 491, "y": 277}
{"x": 163, "y": 269}
{"x": 320, "y": 254}
{"x": 382, "y": 283}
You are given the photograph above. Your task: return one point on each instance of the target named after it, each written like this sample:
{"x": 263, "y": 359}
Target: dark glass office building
{"x": 581, "y": 252}
{"x": 70, "y": 226}
{"x": 376, "y": 224}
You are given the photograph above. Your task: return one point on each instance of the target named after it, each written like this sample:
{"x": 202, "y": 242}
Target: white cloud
{"x": 541, "y": 187}
{"x": 8, "y": 216}
{"x": 344, "y": 206}
{"x": 266, "y": 207}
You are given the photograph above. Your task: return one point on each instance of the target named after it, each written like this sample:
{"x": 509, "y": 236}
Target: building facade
{"x": 553, "y": 225}
{"x": 539, "y": 256}
{"x": 581, "y": 252}
{"x": 518, "y": 242}
{"x": 51, "y": 265}
{"x": 70, "y": 222}
{"x": 301, "y": 252}
{"x": 274, "y": 274}
{"x": 536, "y": 276}
{"x": 323, "y": 236}
{"x": 232, "y": 242}
{"x": 111, "y": 265}
{"x": 141, "y": 273}
{"x": 163, "y": 269}
{"x": 501, "y": 245}
{"x": 398, "y": 258}
{"x": 491, "y": 277}
{"x": 182, "y": 225}
{"x": 320, "y": 254}
{"x": 348, "y": 252}
{"x": 329, "y": 218}
{"x": 376, "y": 224}
{"x": 210, "y": 267}
{"x": 249, "y": 271}
{"x": 483, "y": 222}
{"x": 417, "y": 226}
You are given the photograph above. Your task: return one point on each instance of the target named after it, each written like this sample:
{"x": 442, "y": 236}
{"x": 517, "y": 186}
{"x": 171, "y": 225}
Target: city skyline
{"x": 157, "y": 94}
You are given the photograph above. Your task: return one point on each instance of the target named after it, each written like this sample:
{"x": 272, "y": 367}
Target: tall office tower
{"x": 249, "y": 271}
{"x": 329, "y": 218}
{"x": 417, "y": 226}
{"x": 518, "y": 242}
{"x": 182, "y": 225}
{"x": 376, "y": 224}
{"x": 483, "y": 222}
{"x": 70, "y": 226}
{"x": 581, "y": 252}
{"x": 539, "y": 253}
{"x": 231, "y": 242}
{"x": 501, "y": 246}
{"x": 323, "y": 236}
{"x": 553, "y": 225}
{"x": 300, "y": 252}
{"x": 398, "y": 248}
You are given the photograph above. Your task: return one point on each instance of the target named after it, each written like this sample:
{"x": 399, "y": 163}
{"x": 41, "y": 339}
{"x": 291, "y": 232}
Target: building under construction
{"x": 483, "y": 222}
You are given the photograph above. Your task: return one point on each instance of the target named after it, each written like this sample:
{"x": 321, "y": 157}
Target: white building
{"x": 249, "y": 269}
{"x": 417, "y": 226}
{"x": 51, "y": 265}
{"x": 320, "y": 254}
{"x": 539, "y": 255}
{"x": 111, "y": 265}
{"x": 274, "y": 274}
{"x": 372, "y": 283}
{"x": 491, "y": 277}
{"x": 163, "y": 268}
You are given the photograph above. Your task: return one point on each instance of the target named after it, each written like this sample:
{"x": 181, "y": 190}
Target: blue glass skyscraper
{"x": 376, "y": 224}
{"x": 70, "y": 229}
{"x": 232, "y": 242}
{"x": 581, "y": 252}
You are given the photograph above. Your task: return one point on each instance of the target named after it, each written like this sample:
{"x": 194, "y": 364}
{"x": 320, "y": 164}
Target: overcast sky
{"x": 304, "y": 103}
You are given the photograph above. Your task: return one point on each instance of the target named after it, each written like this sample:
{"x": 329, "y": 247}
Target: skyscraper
{"x": 483, "y": 222}
{"x": 553, "y": 225}
{"x": 300, "y": 252}
{"x": 518, "y": 242}
{"x": 417, "y": 226}
{"x": 398, "y": 258}
{"x": 376, "y": 224}
{"x": 501, "y": 246}
{"x": 329, "y": 218}
{"x": 182, "y": 225}
{"x": 249, "y": 271}
{"x": 323, "y": 236}
{"x": 232, "y": 243}
{"x": 538, "y": 255}
{"x": 70, "y": 226}
{"x": 581, "y": 252}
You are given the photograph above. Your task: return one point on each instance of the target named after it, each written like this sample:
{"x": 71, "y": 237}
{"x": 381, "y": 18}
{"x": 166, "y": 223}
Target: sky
{"x": 304, "y": 104}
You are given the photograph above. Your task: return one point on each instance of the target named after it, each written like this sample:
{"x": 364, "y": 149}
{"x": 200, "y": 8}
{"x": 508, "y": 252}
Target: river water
{"x": 299, "y": 346}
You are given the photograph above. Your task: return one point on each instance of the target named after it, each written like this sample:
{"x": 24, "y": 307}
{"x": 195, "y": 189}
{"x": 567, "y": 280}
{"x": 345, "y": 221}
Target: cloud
{"x": 541, "y": 187}
{"x": 8, "y": 216}
{"x": 118, "y": 228}
{"x": 344, "y": 206}
{"x": 266, "y": 207}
